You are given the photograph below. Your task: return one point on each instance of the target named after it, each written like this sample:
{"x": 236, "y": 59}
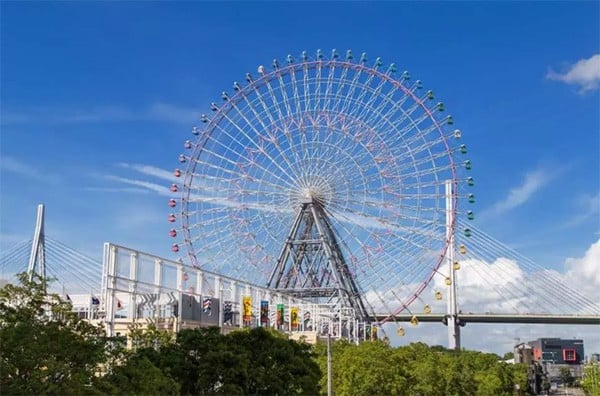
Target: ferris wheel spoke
{"x": 306, "y": 88}
{"x": 318, "y": 83}
{"x": 296, "y": 96}
{"x": 341, "y": 83}
{"x": 329, "y": 86}
{"x": 260, "y": 151}
{"x": 273, "y": 121}
{"x": 367, "y": 222}
{"x": 283, "y": 91}
{"x": 372, "y": 110}
{"x": 382, "y": 274}
{"x": 216, "y": 184}
{"x": 353, "y": 84}
{"x": 266, "y": 127}
{"x": 274, "y": 100}
{"x": 368, "y": 111}
{"x": 398, "y": 211}
{"x": 239, "y": 171}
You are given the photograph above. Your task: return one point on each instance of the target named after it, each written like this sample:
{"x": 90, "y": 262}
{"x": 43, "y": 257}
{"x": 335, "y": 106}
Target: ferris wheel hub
{"x": 316, "y": 191}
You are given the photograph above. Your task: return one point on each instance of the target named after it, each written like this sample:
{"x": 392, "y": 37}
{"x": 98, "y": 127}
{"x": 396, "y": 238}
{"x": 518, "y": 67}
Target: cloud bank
{"x": 585, "y": 74}
{"x": 161, "y": 112}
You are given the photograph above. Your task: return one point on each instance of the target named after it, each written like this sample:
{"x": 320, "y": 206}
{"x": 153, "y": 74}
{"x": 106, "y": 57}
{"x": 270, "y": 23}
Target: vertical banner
{"x": 307, "y": 324}
{"x": 247, "y": 313}
{"x": 228, "y": 312}
{"x": 207, "y": 305}
{"x": 374, "y": 333}
{"x": 280, "y": 314}
{"x": 264, "y": 312}
{"x": 294, "y": 318}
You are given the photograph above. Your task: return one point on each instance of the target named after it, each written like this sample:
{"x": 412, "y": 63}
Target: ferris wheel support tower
{"x": 312, "y": 265}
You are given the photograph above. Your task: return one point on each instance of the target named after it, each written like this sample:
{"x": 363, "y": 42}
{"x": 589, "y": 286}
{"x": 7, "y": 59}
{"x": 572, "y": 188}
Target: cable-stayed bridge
{"x": 492, "y": 284}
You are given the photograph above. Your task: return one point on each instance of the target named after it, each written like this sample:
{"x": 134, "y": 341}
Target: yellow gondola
{"x": 438, "y": 295}
{"x": 462, "y": 249}
{"x": 448, "y": 281}
{"x": 427, "y": 309}
{"x": 401, "y": 332}
{"x": 414, "y": 321}
{"x": 456, "y": 266}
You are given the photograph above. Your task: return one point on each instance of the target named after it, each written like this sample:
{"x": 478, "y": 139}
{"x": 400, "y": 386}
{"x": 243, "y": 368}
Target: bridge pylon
{"x": 37, "y": 257}
{"x": 452, "y": 313}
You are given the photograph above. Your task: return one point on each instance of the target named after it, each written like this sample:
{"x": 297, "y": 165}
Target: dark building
{"x": 557, "y": 350}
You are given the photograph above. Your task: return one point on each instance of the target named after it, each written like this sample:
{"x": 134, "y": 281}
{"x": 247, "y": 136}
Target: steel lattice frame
{"x": 372, "y": 148}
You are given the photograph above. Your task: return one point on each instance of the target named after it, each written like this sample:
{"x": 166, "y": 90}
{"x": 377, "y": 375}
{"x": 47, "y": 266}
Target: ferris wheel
{"x": 323, "y": 177}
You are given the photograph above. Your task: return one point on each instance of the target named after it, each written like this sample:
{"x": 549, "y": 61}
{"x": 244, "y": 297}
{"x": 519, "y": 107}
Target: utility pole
{"x": 329, "y": 391}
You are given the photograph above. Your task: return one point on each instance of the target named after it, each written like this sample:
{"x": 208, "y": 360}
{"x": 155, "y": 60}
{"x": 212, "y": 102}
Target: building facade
{"x": 558, "y": 351}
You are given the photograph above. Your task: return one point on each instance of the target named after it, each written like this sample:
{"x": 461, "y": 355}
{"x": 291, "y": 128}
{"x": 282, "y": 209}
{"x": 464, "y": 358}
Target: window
{"x": 569, "y": 355}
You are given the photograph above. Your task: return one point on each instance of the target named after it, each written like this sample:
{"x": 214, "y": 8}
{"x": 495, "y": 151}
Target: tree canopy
{"x": 47, "y": 350}
{"x": 591, "y": 379}
{"x": 376, "y": 368}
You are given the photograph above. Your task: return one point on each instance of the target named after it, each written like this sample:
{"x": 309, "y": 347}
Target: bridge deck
{"x": 501, "y": 318}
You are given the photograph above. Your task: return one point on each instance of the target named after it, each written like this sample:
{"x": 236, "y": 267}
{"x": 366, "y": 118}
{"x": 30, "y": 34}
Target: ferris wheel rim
{"x": 264, "y": 79}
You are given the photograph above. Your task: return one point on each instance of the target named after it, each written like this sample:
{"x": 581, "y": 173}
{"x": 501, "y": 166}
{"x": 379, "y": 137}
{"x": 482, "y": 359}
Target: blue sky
{"x": 88, "y": 88}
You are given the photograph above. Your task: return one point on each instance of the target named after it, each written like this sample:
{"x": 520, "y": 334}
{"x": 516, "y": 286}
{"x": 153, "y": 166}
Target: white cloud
{"x": 13, "y": 238}
{"x": 151, "y": 171}
{"x": 13, "y": 165}
{"x": 159, "y": 111}
{"x": 495, "y": 286}
{"x": 520, "y": 194}
{"x": 160, "y": 189}
{"x": 119, "y": 190}
{"x": 585, "y": 74}
{"x": 589, "y": 208}
{"x": 171, "y": 113}
{"x": 585, "y": 271}
{"x": 500, "y": 285}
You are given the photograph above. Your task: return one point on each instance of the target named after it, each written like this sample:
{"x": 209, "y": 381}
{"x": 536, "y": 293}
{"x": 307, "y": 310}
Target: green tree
{"x": 276, "y": 365}
{"x": 508, "y": 356}
{"x": 370, "y": 368}
{"x": 257, "y": 361}
{"x": 417, "y": 369}
{"x": 46, "y": 348}
{"x": 591, "y": 379}
{"x": 520, "y": 377}
{"x": 138, "y": 376}
{"x": 148, "y": 337}
{"x": 488, "y": 384}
